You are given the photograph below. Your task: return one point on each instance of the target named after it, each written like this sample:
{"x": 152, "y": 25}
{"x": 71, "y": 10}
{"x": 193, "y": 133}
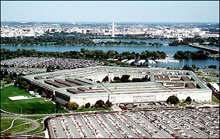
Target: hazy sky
{"x": 56, "y": 11}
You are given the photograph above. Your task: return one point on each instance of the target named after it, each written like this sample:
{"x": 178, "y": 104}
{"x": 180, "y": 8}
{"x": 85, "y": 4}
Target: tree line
{"x": 201, "y": 41}
{"x": 83, "y": 54}
{"x": 191, "y": 55}
{"x": 66, "y": 39}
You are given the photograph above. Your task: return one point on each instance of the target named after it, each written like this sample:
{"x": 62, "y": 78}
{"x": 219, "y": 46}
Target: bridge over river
{"x": 204, "y": 47}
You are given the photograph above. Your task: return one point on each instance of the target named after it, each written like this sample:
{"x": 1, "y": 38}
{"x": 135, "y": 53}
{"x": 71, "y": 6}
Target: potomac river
{"x": 169, "y": 50}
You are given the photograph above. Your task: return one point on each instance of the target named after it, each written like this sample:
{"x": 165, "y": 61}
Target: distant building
{"x": 210, "y": 35}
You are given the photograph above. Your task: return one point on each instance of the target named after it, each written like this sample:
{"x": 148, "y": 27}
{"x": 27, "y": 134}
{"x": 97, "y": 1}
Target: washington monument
{"x": 113, "y": 28}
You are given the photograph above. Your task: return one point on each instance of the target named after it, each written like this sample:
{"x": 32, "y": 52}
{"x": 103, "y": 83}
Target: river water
{"x": 169, "y": 50}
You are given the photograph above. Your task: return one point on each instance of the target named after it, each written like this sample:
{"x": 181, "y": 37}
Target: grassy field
{"x": 198, "y": 72}
{"x": 214, "y": 99}
{"x": 39, "y": 128}
{"x": 20, "y": 127}
{"x": 2, "y": 83}
{"x": 35, "y": 105}
{"x": 18, "y": 122}
{"x": 61, "y": 110}
{"x": 41, "y": 134}
{"x": 209, "y": 80}
{"x": 5, "y": 123}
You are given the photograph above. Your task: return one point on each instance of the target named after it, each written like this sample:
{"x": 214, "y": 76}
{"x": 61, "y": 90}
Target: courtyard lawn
{"x": 35, "y": 105}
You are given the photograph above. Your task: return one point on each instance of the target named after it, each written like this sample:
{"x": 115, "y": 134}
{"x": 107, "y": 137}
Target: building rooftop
{"x": 88, "y": 81}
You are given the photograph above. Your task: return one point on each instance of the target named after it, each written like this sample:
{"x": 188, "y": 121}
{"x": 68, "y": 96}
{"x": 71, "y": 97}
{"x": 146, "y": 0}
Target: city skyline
{"x": 106, "y": 11}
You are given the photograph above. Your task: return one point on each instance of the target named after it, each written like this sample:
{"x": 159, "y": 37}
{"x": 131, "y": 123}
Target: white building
{"x": 84, "y": 85}
{"x": 113, "y": 28}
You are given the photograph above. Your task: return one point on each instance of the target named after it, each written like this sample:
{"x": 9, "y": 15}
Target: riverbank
{"x": 71, "y": 51}
{"x": 89, "y": 45}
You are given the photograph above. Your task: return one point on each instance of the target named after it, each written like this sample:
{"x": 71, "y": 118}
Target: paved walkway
{"x": 35, "y": 124}
{"x": 12, "y": 123}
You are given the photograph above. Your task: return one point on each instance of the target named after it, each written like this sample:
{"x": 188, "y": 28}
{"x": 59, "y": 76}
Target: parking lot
{"x": 44, "y": 62}
{"x": 24, "y": 70}
{"x": 182, "y": 123}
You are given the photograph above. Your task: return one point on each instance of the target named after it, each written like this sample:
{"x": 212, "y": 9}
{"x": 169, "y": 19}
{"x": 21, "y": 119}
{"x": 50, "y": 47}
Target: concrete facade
{"x": 85, "y": 85}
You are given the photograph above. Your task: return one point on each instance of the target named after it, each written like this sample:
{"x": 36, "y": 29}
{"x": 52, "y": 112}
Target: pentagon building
{"x": 85, "y": 85}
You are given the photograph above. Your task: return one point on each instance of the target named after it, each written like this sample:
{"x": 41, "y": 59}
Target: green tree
{"x": 100, "y": 103}
{"x": 53, "y": 97}
{"x": 72, "y": 105}
{"x": 172, "y": 100}
{"x": 188, "y": 99}
{"x": 50, "y": 68}
{"x": 106, "y": 79}
{"x": 8, "y": 80}
{"x": 82, "y": 107}
{"x": 58, "y": 106}
{"x": 87, "y": 105}
{"x": 108, "y": 103}
{"x": 96, "y": 105}
{"x": 24, "y": 85}
{"x": 32, "y": 87}
{"x": 125, "y": 78}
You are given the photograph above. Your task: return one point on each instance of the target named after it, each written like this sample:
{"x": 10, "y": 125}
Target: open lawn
{"x": 214, "y": 99}
{"x": 5, "y": 123}
{"x": 19, "y": 128}
{"x": 41, "y": 127}
{"x": 18, "y": 122}
{"x": 61, "y": 110}
{"x": 35, "y": 105}
{"x": 209, "y": 80}
{"x": 41, "y": 134}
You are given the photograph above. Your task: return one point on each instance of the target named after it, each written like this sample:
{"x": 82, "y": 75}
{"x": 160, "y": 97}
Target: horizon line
{"x": 118, "y": 21}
